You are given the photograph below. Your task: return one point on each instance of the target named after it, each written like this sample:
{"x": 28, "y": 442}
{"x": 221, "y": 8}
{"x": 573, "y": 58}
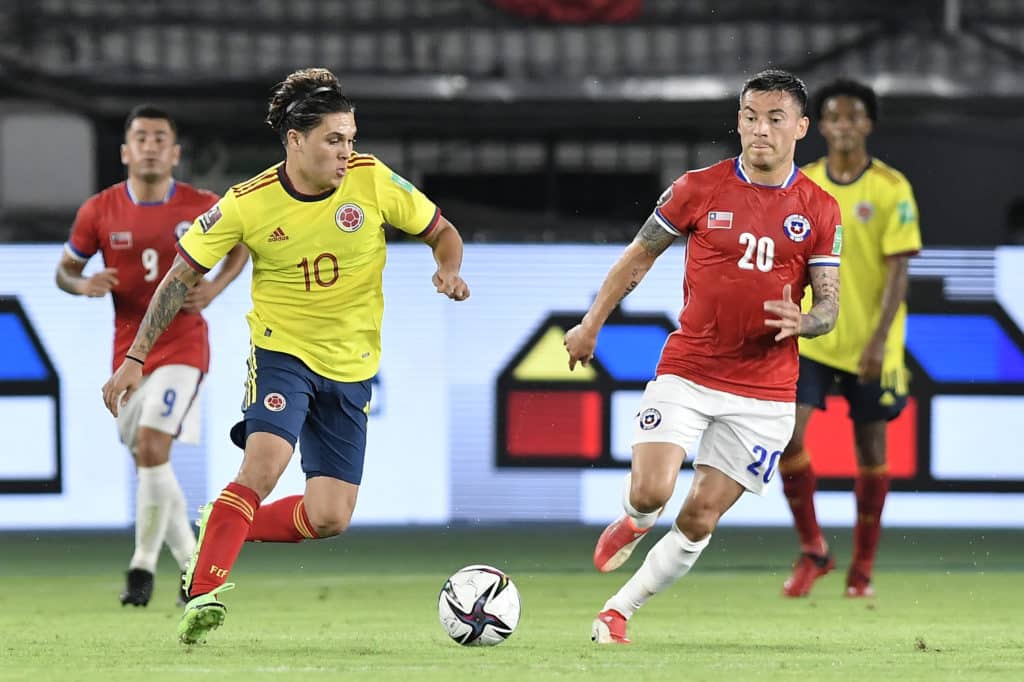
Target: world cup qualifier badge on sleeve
{"x": 837, "y": 241}
{"x": 210, "y": 218}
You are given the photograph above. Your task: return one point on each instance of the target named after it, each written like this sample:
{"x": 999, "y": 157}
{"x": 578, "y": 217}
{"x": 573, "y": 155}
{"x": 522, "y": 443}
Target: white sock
{"x": 154, "y": 498}
{"x": 640, "y": 519}
{"x": 180, "y": 538}
{"x": 668, "y": 561}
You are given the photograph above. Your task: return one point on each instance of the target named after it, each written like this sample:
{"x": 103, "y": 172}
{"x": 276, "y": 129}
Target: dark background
{"x": 478, "y": 101}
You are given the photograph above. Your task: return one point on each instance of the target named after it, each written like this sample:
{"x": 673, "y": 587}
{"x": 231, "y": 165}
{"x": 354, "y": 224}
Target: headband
{"x": 297, "y": 102}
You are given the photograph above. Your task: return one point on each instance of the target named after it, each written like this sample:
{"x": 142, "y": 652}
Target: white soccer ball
{"x": 479, "y": 606}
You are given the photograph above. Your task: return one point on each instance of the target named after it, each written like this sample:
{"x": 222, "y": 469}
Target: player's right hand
{"x": 120, "y": 387}
{"x": 100, "y": 283}
{"x": 789, "y": 314}
{"x": 580, "y": 344}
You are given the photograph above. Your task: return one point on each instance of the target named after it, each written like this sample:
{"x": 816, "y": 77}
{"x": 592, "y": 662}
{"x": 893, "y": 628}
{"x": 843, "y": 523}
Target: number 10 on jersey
{"x": 324, "y": 270}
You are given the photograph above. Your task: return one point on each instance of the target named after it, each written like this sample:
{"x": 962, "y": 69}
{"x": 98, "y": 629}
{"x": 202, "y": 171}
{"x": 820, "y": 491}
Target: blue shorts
{"x": 868, "y": 402}
{"x": 327, "y": 417}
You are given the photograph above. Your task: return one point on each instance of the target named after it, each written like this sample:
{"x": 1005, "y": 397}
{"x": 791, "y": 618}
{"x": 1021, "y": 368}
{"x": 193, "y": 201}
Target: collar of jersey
{"x": 296, "y": 194}
{"x": 742, "y": 175}
{"x": 828, "y": 173}
{"x": 131, "y": 198}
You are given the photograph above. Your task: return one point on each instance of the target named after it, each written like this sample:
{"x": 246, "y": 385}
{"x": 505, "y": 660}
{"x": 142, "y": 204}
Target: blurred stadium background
{"x": 545, "y": 131}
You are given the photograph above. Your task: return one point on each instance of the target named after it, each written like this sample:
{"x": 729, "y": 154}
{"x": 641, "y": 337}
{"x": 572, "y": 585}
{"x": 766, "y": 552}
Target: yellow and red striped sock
{"x": 225, "y": 531}
{"x": 282, "y": 521}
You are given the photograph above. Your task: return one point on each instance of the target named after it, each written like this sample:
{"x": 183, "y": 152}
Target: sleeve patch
{"x": 402, "y": 182}
{"x": 837, "y": 241}
{"x": 906, "y": 212}
{"x": 210, "y": 218}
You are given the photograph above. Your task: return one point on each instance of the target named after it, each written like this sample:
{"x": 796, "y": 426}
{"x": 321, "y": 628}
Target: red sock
{"x": 225, "y": 532}
{"x": 871, "y": 488}
{"x": 282, "y": 521}
{"x": 798, "y": 483}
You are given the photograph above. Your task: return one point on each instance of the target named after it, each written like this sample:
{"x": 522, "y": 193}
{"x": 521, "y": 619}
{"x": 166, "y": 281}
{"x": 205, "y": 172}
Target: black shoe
{"x": 139, "y": 588}
{"x": 182, "y": 594}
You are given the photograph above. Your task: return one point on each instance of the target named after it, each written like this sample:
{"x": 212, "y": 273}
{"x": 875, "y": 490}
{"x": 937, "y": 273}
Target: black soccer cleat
{"x": 138, "y": 588}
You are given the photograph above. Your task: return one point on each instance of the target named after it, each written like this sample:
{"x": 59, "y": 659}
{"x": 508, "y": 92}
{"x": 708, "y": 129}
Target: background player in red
{"x": 135, "y": 225}
{"x": 863, "y": 357}
{"x": 756, "y": 228}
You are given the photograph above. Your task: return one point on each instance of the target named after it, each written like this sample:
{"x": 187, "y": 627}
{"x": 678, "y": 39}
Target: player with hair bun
{"x": 315, "y": 226}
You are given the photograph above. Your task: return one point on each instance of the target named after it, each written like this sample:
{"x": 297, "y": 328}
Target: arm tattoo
{"x": 167, "y": 301}
{"x": 821, "y": 318}
{"x": 654, "y": 238}
{"x": 634, "y": 281}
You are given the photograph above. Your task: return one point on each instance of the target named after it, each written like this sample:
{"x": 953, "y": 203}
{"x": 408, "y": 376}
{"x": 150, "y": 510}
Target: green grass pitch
{"x": 364, "y": 607}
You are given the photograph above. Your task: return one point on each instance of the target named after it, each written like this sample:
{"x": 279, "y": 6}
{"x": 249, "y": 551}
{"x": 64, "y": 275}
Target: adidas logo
{"x": 278, "y": 235}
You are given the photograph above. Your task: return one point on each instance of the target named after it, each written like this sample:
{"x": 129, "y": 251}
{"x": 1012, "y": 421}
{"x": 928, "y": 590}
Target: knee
{"x": 649, "y": 496}
{"x": 150, "y": 452}
{"x": 697, "y": 521}
{"x": 871, "y": 456}
{"x": 329, "y": 524}
{"x": 870, "y": 441}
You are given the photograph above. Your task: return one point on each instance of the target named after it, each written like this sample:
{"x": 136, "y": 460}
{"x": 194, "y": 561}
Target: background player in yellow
{"x": 315, "y": 227}
{"x": 863, "y": 356}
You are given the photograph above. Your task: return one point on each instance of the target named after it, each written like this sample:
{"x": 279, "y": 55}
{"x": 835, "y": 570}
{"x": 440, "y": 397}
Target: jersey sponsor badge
{"x": 649, "y": 419}
{"x": 796, "y": 227}
{"x": 402, "y": 182}
{"x": 720, "y": 220}
{"x": 274, "y": 402}
{"x": 349, "y": 217}
{"x": 181, "y": 228}
{"x": 864, "y": 211}
{"x": 121, "y": 240}
{"x": 837, "y": 241}
{"x": 210, "y": 218}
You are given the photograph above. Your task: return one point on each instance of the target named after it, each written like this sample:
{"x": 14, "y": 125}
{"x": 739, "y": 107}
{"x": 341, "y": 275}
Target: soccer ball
{"x": 479, "y": 606}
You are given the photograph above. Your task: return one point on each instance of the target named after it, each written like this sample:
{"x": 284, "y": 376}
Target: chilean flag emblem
{"x": 720, "y": 220}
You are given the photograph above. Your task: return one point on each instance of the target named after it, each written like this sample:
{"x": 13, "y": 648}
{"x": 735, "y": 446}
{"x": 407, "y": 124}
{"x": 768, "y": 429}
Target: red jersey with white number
{"x": 139, "y": 238}
{"x": 744, "y": 243}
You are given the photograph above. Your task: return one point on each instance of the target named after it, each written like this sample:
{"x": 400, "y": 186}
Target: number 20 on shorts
{"x": 763, "y": 457}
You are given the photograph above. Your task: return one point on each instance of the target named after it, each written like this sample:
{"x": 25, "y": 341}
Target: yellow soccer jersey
{"x": 879, "y": 220}
{"x": 318, "y": 261}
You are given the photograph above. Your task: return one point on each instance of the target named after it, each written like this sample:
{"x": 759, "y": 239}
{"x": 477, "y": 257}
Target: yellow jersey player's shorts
{"x": 285, "y": 397}
{"x": 869, "y": 402}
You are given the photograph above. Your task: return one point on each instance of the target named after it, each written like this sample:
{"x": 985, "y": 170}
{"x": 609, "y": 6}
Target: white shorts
{"x": 742, "y": 437}
{"x": 166, "y": 401}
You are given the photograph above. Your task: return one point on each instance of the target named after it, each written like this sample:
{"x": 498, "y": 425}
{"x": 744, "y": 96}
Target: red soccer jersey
{"x": 744, "y": 243}
{"x": 138, "y": 238}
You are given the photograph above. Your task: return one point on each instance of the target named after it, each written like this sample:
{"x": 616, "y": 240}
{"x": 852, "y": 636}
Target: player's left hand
{"x": 199, "y": 296}
{"x": 788, "y": 312}
{"x": 451, "y": 285}
{"x": 580, "y": 343}
{"x": 869, "y": 369}
{"x": 120, "y": 387}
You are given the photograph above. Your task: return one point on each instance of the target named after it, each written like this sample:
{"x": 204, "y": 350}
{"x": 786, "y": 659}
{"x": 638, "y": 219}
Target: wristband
{"x": 130, "y": 357}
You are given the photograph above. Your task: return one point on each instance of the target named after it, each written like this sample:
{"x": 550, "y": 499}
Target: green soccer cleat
{"x": 186, "y": 577}
{"x": 202, "y": 614}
